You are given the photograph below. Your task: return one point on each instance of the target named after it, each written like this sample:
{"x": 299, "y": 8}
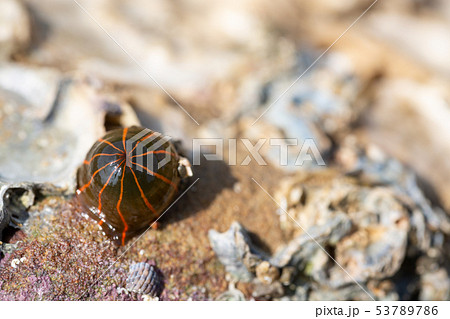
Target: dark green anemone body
{"x": 128, "y": 179}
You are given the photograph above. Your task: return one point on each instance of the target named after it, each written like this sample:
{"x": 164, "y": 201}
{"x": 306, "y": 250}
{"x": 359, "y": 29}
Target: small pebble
{"x": 267, "y": 273}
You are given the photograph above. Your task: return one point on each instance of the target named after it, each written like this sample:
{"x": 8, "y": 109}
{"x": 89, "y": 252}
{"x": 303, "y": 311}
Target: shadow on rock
{"x": 213, "y": 178}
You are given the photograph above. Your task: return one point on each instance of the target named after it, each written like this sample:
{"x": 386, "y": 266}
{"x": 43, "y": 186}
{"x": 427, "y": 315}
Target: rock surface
{"x": 375, "y": 104}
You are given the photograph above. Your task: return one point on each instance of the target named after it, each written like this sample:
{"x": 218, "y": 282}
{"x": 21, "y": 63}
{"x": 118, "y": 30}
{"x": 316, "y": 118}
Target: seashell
{"x": 129, "y": 177}
{"x": 144, "y": 278}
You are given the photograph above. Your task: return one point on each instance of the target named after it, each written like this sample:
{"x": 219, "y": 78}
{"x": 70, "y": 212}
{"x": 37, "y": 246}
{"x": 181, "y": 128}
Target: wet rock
{"x": 366, "y": 226}
{"x": 370, "y": 165}
{"x": 301, "y": 249}
{"x": 245, "y": 263}
{"x": 373, "y": 252}
{"x": 377, "y": 248}
{"x": 388, "y": 218}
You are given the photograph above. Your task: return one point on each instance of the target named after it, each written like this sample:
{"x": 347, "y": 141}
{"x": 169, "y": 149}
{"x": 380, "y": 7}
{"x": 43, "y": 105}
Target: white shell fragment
{"x": 235, "y": 251}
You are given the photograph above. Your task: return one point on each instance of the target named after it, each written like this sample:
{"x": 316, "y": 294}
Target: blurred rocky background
{"x": 377, "y": 105}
